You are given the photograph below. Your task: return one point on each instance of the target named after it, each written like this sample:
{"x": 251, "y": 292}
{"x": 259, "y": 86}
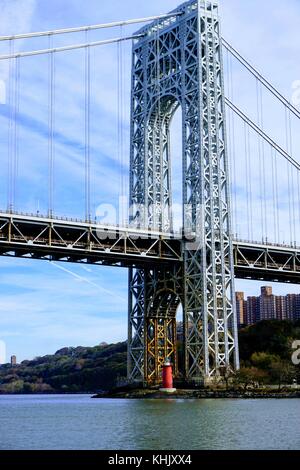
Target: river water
{"x": 79, "y": 422}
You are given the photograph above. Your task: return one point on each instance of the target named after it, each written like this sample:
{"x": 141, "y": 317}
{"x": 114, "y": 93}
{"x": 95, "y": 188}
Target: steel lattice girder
{"x": 161, "y": 344}
{"x": 179, "y": 63}
{"x": 154, "y": 295}
{"x": 75, "y": 241}
{"x": 266, "y": 262}
{"x": 72, "y": 240}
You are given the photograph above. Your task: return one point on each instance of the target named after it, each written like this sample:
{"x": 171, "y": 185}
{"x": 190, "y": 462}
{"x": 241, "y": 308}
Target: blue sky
{"x": 47, "y": 306}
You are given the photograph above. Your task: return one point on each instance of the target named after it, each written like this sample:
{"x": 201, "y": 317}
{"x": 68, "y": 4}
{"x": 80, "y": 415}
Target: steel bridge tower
{"x": 177, "y": 62}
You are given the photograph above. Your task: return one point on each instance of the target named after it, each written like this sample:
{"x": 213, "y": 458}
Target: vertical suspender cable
{"x": 298, "y": 202}
{"x": 290, "y": 201}
{"x": 10, "y": 128}
{"x": 121, "y": 123}
{"x": 292, "y": 178}
{"x": 87, "y": 105}
{"x": 273, "y": 157}
{"x": 260, "y": 161}
{"x": 250, "y": 184}
{"x": 293, "y": 206}
{"x": 120, "y": 118}
{"x": 51, "y": 127}
{"x": 230, "y": 149}
{"x": 262, "y": 167}
{"x": 263, "y": 162}
{"x": 247, "y": 179}
{"x": 16, "y": 130}
{"x": 288, "y": 175}
{"x": 277, "y": 197}
{"x": 118, "y": 127}
{"x": 233, "y": 149}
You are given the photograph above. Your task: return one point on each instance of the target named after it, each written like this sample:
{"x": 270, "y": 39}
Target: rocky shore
{"x": 200, "y": 394}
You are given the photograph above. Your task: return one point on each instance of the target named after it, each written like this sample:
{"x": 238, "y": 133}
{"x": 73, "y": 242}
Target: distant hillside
{"x": 68, "y": 370}
{"x": 264, "y": 348}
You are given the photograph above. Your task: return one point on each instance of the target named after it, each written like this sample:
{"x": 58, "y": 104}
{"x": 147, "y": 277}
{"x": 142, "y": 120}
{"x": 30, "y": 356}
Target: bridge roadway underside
{"x": 74, "y": 241}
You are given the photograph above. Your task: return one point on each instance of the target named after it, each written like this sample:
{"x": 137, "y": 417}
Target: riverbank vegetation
{"x": 69, "y": 370}
{"x": 265, "y": 352}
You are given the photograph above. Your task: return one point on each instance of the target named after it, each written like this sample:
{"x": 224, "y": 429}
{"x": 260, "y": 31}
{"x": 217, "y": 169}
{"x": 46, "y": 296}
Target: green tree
{"x": 263, "y": 360}
{"x": 281, "y": 372}
{"x": 253, "y": 376}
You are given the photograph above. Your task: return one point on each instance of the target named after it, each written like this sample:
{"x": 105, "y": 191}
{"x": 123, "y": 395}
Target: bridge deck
{"x": 75, "y": 241}
{"x": 266, "y": 262}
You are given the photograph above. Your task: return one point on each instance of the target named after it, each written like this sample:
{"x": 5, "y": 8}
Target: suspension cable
{"x": 287, "y": 153}
{"x": 69, "y": 48}
{"x": 90, "y": 28}
{"x": 277, "y": 147}
{"x": 260, "y": 77}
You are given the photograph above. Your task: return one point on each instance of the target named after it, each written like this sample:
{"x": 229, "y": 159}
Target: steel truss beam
{"x": 267, "y": 262}
{"x": 179, "y": 63}
{"x": 78, "y": 242}
{"x": 53, "y": 239}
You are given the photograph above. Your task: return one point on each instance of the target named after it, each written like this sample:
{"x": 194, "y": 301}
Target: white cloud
{"x": 44, "y": 307}
{"x": 2, "y": 352}
{"x": 16, "y": 16}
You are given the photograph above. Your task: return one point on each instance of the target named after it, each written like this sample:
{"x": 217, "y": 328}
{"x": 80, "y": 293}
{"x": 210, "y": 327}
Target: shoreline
{"x": 180, "y": 393}
{"x": 198, "y": 394}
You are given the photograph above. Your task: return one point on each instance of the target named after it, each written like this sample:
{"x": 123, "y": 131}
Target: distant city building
{"x": 179, "y": 331}
{"x": 241, "y": 306}
{"x": 280, "y": 307}
{"x": 267, "y": 304}
{"x": 267, "y": 307}
{"x": 13, "y": 361}
{"x": 252, "y": 310}
{"x": 297, "y": 309}
{"x": 290, "y": 306}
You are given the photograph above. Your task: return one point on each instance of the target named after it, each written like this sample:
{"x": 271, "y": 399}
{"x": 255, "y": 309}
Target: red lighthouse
{"x": 167, "y": 377}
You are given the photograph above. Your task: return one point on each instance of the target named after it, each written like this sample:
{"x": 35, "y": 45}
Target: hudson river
{"x": 78, "y": 422}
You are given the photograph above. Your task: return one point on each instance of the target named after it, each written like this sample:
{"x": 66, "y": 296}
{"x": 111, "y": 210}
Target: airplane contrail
{"x": 84, "y": 279}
